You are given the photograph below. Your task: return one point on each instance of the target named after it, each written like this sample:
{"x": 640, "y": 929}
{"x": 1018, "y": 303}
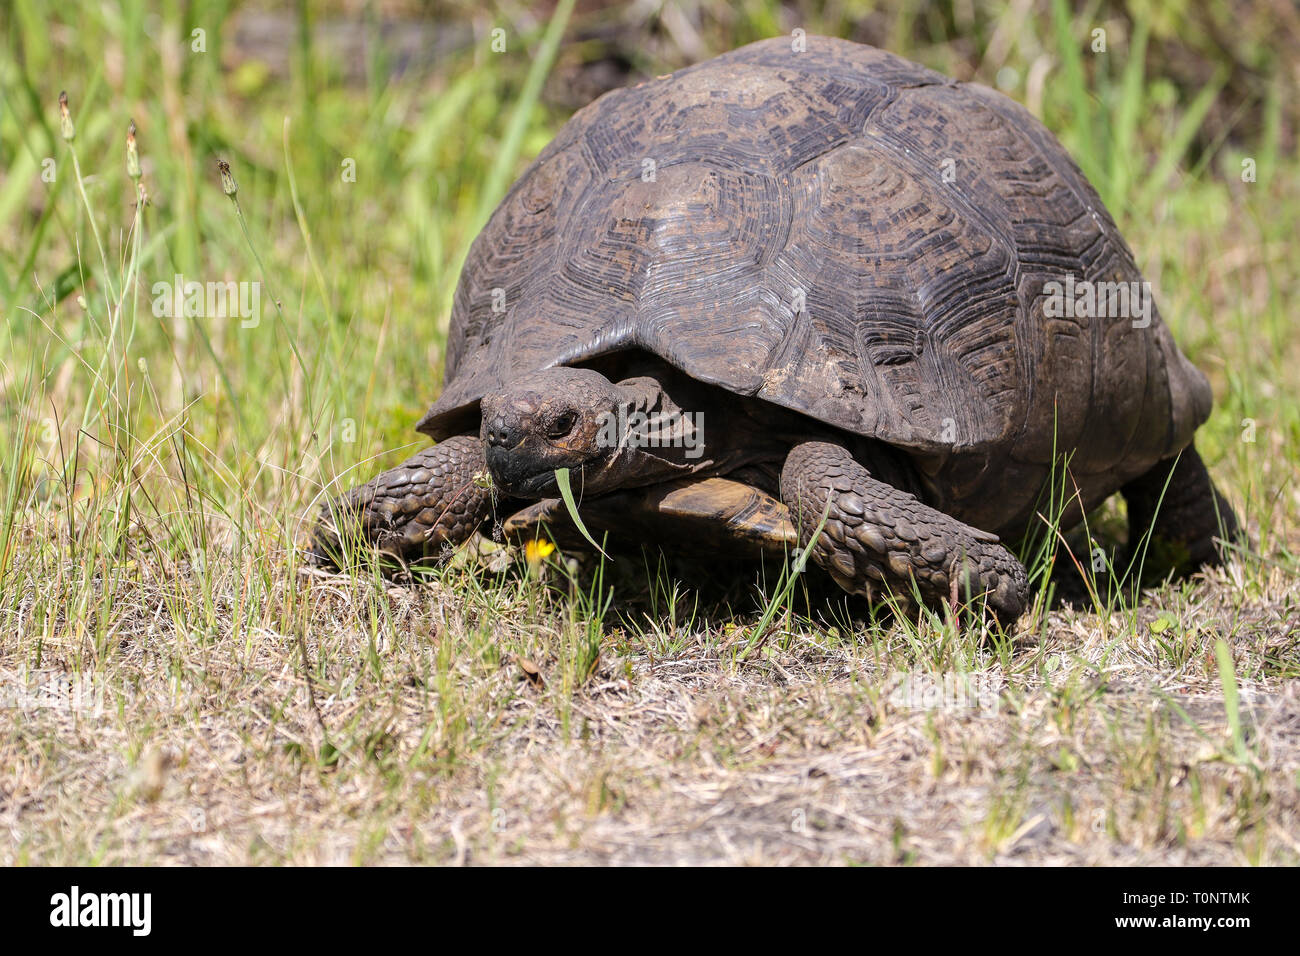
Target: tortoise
{"x": 807, "y": 293}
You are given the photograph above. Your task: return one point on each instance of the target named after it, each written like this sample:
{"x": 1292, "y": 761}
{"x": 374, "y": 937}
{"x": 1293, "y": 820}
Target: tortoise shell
{"x": 840, "y": 232}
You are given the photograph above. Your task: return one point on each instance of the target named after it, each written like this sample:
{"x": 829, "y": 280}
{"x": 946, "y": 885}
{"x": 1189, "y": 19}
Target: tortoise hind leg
{"x": 876, "y": 533}
{"x": 434, "y": 499}
{"x": 1176, "y": 502}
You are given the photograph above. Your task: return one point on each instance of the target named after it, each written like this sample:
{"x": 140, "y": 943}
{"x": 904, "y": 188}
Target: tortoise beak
{"x": 510, "y": 471}
{"x": 521, "y": 474}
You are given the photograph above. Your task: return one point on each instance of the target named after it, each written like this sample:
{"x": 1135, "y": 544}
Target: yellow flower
{"x": 537, "y": 551}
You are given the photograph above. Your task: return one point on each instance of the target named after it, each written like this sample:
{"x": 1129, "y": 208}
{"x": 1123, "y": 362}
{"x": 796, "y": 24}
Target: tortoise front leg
{"x": 876, "y": 534}
{"x": 436, "y": 498}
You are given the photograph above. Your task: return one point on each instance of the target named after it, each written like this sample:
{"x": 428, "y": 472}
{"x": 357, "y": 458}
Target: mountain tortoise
{"x": 807, "y": 295}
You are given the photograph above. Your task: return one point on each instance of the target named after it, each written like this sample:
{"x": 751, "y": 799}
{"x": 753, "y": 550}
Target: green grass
{"x": 158, "y": 473}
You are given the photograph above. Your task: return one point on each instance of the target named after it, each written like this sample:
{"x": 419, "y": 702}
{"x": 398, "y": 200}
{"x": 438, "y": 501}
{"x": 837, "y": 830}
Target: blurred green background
{"x": 369, "y": 141}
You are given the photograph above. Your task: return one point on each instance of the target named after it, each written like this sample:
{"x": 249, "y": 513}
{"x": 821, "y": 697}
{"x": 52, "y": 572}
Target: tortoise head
{"x": 557, "y": 418}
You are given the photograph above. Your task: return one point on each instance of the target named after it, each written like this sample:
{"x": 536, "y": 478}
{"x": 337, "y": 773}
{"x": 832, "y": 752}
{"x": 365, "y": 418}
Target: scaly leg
{"x": 876, "y": 534}
{"x": 434, "y": 499}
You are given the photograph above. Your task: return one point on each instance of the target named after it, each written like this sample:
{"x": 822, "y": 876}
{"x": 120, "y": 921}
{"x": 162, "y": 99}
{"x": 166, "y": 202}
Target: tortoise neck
{"x": 689, "y": 427}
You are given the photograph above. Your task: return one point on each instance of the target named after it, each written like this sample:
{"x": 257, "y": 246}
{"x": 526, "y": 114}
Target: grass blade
{"x": 502, "y": 169}
{"x": 1231, "y": 700}
{"x": 566, "y": 494}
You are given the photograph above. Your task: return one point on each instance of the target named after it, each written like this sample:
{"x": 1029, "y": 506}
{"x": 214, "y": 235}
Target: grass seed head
{"x": 132, "y": 153}
{"x": 65, "y": 118}
{"x": 228, "y": 184}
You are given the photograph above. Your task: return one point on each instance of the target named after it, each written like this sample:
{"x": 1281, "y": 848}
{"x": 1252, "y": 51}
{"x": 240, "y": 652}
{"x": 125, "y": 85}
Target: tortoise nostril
{"x": 499, "y": 435}
{"x": 496, "y": 434}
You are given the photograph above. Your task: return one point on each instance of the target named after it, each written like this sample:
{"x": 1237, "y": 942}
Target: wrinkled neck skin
{"x": 654, "y": 438}
{"x": 669, "y": 425}
{"x": 722, "y": 434}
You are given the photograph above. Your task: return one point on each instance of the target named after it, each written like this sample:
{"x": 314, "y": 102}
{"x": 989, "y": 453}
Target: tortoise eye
{"x": 562, "y": 425}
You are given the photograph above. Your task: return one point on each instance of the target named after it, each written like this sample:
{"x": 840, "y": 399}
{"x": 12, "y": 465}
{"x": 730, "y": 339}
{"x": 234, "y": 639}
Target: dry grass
{"x": 1098, "y": 745}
